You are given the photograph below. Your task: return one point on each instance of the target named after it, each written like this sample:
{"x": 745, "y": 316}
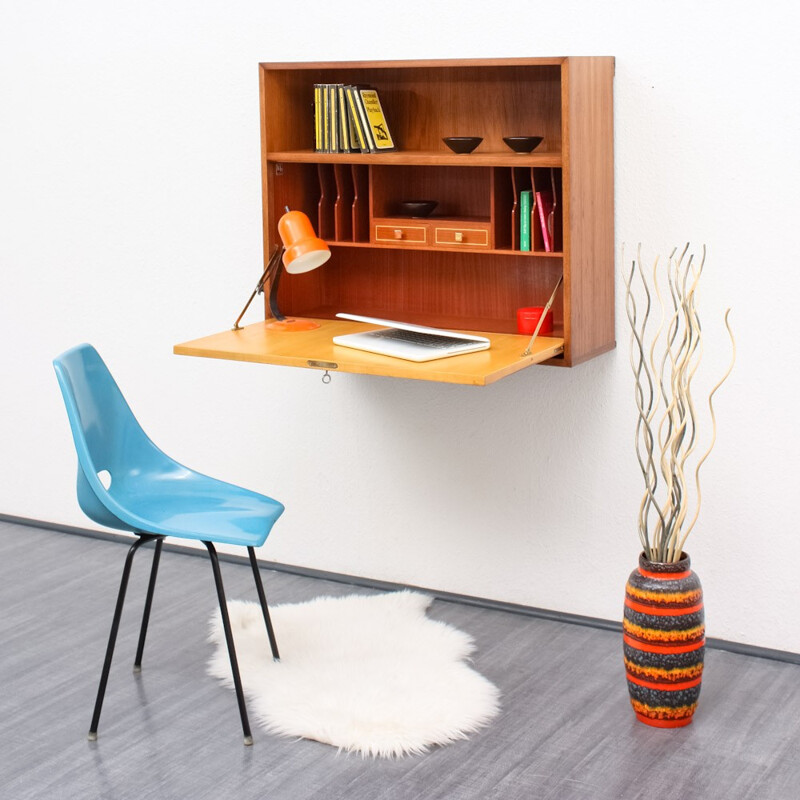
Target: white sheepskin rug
{"x": 369, "y": 674}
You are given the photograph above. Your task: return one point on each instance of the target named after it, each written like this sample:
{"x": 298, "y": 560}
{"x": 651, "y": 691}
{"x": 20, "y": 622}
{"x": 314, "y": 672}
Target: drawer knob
{"x": 398, "y": 233}
{"x": 459, "y": 236}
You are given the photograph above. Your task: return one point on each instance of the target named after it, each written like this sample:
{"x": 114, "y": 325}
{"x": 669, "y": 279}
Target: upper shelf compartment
{"x": 425, "y": 101}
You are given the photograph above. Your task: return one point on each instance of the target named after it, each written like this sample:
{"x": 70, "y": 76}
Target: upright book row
{"x": 539, "y": 218}
{"x": 349, "y": 119}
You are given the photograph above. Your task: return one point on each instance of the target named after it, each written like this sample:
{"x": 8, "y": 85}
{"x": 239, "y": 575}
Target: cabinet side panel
{"x": 589, "y": 206}
{"x": 266, "y": 202}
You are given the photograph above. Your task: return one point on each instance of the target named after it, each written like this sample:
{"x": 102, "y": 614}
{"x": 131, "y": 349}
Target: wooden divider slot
{"x": 360, "y": 177}
{"x": 326, "y": 208}
{"x": 343, "y": 207}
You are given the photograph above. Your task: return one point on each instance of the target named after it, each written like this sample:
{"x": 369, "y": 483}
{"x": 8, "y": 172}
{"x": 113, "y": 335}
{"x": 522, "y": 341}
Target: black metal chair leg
{"x": 101, "y": 690}
{"x": 148, "y": 604}
{"x": 226, "y": 624}
{"x": 262, "y": 598}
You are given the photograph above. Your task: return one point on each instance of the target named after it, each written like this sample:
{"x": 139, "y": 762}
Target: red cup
{"x": 528, "y": 319}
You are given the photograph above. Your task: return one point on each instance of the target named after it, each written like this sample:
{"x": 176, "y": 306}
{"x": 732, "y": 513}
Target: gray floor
{"x": 566, "y": 730}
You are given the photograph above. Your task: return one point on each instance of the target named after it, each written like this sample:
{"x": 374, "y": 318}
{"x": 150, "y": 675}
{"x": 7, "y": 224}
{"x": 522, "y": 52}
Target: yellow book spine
{"x": 351, "y": 101}
{"x": 326, "y": 134}
{"x": 344, "y": 124}
{"x": 317, "y": 118}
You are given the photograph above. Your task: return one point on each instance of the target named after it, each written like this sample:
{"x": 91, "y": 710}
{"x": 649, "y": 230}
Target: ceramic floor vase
{"x": 664, "y": 641}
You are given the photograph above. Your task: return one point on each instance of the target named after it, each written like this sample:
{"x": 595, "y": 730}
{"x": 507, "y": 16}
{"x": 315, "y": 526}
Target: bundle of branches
{"x": 664, "y": 363}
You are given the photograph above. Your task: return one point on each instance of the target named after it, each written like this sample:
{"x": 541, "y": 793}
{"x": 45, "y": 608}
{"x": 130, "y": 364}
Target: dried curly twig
{"x": 665, "y": 449}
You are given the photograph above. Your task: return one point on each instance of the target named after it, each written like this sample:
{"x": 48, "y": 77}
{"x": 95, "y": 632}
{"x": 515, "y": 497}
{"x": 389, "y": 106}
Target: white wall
{"x": 130, "y": 218}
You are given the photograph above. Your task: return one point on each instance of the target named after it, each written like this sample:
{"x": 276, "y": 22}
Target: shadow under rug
{"x": 370, "y": 674}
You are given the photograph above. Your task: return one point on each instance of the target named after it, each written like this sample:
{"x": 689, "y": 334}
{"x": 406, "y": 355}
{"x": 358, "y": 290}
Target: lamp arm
{"x": 272, "y": 267}
{"x": 273, "y": 285}
{"x": 273, "y": 288}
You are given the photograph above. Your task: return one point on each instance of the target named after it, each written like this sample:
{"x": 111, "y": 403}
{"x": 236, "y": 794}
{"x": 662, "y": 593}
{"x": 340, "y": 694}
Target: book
{"x": 365, "y": 127}
{"x": 318, "y": 118}
{"x": 344, "y": 120}
{"x": 545, "y": 204}
{"x": 525, "y": 198}
{"x": 378, "y": 127}
{"x": 325, "y": 122}
{"x": 362, "y": 115}
{"x": 333, "y": 108}
{"x": 354, "y": 145}
{"x": 555, "y": 224}
{"x": 352, "y": 102}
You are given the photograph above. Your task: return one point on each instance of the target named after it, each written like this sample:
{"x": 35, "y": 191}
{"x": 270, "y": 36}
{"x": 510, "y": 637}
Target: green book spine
{"x": 525, "y": 220}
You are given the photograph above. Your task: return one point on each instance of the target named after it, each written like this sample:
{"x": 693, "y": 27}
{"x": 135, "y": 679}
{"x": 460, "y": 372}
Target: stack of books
{"x": 349, "y": 119}
{"x": 538, "y": 206}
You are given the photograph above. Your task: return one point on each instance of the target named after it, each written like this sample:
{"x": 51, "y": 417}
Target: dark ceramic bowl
{"x": 523, "y": 144}
{"x": 417, "y": 208}
{"x": 462, "y": 144}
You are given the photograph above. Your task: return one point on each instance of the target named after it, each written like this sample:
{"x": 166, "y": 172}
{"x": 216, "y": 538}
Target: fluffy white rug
{"x": 365, "y": 673}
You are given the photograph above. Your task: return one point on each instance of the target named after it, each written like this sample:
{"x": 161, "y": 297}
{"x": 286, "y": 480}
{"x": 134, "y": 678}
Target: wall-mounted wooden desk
{"x": 315, "y": 349}
{"x": 462, "y": 268}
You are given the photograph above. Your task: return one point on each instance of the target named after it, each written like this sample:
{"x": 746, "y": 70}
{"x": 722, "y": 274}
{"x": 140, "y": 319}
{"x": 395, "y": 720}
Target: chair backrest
{"x": 107, "y": 436}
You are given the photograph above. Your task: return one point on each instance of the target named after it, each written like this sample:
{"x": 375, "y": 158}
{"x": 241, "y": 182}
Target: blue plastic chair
{"x": 154, "y": 497}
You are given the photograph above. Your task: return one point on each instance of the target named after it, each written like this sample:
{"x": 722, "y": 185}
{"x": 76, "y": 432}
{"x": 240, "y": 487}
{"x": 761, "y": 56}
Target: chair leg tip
{"x": 248, "y": 741}
{"x": 137, "y": 668}
{"x": 92, "y": 736}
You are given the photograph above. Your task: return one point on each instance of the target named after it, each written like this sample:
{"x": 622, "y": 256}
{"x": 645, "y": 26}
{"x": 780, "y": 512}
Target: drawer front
{"x": 401, "y": 234}
{"x": 455, "y": 236}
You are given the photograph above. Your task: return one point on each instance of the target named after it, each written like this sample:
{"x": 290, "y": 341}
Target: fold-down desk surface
{"x": 316, "y": 350}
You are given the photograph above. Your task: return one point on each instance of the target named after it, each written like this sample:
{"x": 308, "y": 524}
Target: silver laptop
{"x": 412, "y": 342}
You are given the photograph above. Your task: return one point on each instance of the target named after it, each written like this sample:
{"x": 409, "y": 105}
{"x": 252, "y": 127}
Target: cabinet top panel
{"x": 425, "y": 63}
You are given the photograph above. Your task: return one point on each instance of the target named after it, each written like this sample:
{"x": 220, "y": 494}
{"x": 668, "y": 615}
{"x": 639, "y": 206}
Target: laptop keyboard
{"x": 415, "y": 337}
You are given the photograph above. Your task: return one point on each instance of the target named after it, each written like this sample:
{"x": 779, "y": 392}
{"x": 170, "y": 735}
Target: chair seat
{"x": 190, "y": 505}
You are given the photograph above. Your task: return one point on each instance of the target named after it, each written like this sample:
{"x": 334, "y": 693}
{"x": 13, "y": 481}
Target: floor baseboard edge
{"x": 482, "y": 602}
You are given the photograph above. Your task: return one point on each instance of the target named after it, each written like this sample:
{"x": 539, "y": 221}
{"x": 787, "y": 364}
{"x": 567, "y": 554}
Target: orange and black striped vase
{"x": 664, "y": 641}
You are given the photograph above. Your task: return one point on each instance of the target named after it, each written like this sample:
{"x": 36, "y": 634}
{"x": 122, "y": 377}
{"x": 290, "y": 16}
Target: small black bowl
{"x": 462, "y": 144}
{"x": 523, "y": 144}
{"x": 417, "y": 208}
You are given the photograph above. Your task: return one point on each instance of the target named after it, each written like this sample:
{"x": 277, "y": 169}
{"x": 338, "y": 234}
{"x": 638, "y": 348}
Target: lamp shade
{"x": 304, "y": 249}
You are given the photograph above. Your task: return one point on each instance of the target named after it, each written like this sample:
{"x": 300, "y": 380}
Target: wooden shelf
{"x": 315, "y": 350}
{"x": 478, "y": 158}
{"x": 502, "y": 252}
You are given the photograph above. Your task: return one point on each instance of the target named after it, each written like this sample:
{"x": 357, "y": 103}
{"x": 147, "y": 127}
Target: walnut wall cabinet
{"x": 461, "y": 267}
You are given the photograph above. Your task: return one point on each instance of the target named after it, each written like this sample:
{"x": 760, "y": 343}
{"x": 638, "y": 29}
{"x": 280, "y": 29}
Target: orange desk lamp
{"x": 302, "y": 251}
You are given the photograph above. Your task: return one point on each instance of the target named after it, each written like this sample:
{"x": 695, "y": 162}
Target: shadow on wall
{"x": 518, "y": 444}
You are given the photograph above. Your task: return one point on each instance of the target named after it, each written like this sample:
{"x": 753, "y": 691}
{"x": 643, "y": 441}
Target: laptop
{"x": 411, "y": 342}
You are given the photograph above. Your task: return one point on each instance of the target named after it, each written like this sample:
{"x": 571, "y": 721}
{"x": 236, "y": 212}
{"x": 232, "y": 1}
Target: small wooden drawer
{"x": 454, "y": 235}
{"x": 401, "y": 233}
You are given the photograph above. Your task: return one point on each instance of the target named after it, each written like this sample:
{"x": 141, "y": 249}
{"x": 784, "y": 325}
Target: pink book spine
{"x": 544, "y": 202}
